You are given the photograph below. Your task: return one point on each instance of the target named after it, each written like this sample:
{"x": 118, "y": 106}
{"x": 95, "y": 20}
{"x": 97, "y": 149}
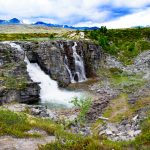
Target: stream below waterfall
{"x": 50, "y": 94}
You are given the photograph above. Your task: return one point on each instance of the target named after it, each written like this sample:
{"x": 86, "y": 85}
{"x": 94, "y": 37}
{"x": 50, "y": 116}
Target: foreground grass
{"x": 17, "y": 124}
{"x": 69, "y": 141}
{"x": 118, "y": 109}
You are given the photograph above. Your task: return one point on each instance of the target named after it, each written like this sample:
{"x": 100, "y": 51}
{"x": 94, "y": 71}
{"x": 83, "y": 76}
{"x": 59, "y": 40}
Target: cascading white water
{"x": 79, "y": 65}
{"x": 69, "y": 71}
{"x": 49, "y": 88}
{"x": 49, "y": 92}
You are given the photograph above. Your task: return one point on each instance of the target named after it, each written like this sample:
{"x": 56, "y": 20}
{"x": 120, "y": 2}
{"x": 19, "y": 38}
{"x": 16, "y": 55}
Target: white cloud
{"x": 78, "y": 12}
{"x": 136, "y": 19}
{"x": 141, "y": 18}
{"x": 130, "y": 3}
{"x": 54, "y": 8}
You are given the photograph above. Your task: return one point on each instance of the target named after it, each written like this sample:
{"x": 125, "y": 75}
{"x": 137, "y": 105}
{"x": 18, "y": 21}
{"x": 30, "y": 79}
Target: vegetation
{"x": 15, "y": 83}
{"x": 122, "y": 43}
{"x": 118, "y": 109}
{"x": 69, "y": 141}
{"x": 119, "y": 79}
{"x": 84, "y": 105}
{"x": 17, "y": 124}
{"x": 23, "y": 36}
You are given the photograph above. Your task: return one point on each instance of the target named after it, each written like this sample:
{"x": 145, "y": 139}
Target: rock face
{"x": 125, "y": 130}
{"x": 141, "y": 64}
{"x": 51, "y": 58}
{"x": 15, "y": 84}
{"x": 104, "y": 95}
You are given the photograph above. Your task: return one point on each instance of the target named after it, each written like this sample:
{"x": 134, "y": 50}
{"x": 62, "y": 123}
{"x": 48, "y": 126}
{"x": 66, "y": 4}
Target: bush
{"x": 51, "y": 36}
{"x": 84, "y": 105}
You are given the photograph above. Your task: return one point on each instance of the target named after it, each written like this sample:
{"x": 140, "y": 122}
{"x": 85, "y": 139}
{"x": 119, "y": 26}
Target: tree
{"x": 103, "y": 29}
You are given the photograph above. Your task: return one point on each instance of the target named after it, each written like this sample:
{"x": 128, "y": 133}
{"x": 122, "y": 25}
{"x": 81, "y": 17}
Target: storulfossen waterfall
{"x": 49, "y": 92}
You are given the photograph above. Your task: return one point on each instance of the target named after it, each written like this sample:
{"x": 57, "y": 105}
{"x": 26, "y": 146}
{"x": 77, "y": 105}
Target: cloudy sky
{"x": 112, "y": 13}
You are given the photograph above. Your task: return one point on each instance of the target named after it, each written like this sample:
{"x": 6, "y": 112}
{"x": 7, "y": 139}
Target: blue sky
{"x": 112, "y": 13}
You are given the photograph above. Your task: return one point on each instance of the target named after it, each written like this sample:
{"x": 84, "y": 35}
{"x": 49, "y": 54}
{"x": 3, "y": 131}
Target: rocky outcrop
{"x": 141, "y": 64}
{"x": 127, "y": 129}
{"x": 15, "y": 84}
{"x": 29, "y": 94}
{"x": 103, "y": 96}
{"x": 51, "y": 55}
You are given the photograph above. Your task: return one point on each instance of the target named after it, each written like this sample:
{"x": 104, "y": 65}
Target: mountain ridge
{"x": 15, "y": 21}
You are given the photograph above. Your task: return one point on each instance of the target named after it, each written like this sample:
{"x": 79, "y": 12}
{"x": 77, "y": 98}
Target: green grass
{"x": 15, "y": 82}
{"x": 125, "y": 44}
{"x": 69, "y": 141}
{"x": 23, "y": 36}
{"x": 118, "y": 109}
{"x": 17, "y": 124}
{"x": 121, "y": 80}
{"x": 11, "y": 81}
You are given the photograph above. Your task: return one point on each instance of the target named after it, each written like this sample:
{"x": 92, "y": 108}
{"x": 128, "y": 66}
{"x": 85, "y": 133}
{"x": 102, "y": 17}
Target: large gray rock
{"x": 50, "y": 56}
{"x": 15, "y": 84}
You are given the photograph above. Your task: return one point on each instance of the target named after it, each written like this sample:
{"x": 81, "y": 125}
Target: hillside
{"x": 104, "y": 74}
{"x": 125, "y": 44}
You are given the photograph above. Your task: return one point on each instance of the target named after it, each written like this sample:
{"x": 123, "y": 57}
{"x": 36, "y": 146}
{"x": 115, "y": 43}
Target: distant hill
{"x": 11, "y": 21}
{"x": 64, "y": 26}
{"x": 40, "y": 23}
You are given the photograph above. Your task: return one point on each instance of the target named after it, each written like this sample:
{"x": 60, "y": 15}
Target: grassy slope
{"x": 17, "y": 124}
{"x": 126, "y": 44}
{"x": 31, "y": 32}
{"x": 14, "y": 29}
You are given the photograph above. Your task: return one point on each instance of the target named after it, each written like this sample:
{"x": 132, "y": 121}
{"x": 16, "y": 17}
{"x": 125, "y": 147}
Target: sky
{"x": 110, "y": 13}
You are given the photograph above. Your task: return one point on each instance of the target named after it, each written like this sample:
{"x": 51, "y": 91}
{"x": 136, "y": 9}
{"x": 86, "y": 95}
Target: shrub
{"x": 84, "y": 105}
{"x": 51, "y": 36}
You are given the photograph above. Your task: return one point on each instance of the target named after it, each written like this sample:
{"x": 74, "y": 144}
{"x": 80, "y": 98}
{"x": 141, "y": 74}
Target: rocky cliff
{"x": 15, "y": 83}
{"x": 51, "y": 58}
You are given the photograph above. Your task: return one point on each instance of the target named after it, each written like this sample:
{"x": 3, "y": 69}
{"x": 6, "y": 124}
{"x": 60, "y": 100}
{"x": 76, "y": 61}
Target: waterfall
{"x": 79, "y": 74}
{"x": 69, "y": 71}
{"x": 67, "y": 66}
{"x": 79, "y": 65}
{"x": 49, "y": 92}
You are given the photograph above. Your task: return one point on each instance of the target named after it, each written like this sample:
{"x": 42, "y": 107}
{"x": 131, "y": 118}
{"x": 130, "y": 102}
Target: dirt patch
{"x": 11, "y": 143}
